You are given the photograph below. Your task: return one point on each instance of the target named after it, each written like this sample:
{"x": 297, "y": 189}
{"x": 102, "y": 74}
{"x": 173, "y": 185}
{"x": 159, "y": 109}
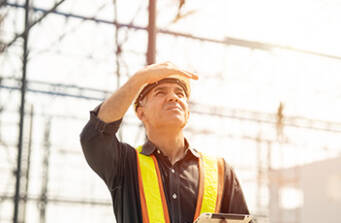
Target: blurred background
{"x": 268, "y": 99}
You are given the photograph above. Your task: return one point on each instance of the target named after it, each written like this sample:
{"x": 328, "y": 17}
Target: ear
{"x": 140, "y": 113}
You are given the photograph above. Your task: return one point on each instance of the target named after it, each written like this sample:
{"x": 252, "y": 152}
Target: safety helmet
{"x": 181, "y": 81}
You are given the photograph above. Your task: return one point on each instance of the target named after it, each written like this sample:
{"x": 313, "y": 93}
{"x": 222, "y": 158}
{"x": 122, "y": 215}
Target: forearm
{"x": 118, "y": 103}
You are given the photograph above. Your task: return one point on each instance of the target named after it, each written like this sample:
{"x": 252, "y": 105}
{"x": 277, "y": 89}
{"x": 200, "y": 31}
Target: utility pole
{"x": 151, "y": 50}
{"x": 27, "y": 163}
{"x": 45, "y": 174}
{"x": 22, "y": 116}
{"x": 151, "y": 32}
{"x": 118, "y": 46}
{"x": 117, "y": 58}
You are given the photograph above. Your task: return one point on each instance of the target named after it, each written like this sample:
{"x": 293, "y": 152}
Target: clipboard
{"x": 223, "y": 218}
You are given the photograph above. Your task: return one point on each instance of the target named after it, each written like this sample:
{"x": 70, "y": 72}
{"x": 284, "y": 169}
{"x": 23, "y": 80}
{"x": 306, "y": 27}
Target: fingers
{"x": 188, "y": 74}
{"x": 184, "y": 73}
{"x": 155, "y": 72}
{"x": 192, "y": 75}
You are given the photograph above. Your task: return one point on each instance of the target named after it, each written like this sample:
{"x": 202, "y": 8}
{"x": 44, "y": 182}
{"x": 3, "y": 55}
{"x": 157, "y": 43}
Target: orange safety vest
{"x": 153, "y": 202}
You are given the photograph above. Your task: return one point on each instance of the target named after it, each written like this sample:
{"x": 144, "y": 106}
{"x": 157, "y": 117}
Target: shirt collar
{"x": 149, "y": 148}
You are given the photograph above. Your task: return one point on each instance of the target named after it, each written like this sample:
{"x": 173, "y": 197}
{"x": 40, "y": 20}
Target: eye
{"x": 159, "y": 93}
{"x": 180, "y": 94}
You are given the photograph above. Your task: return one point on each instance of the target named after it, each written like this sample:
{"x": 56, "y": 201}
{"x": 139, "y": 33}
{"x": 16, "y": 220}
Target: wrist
{"x": 139, "y": 79}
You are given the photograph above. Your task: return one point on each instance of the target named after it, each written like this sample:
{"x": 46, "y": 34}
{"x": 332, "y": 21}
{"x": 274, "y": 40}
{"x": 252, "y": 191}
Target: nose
{"x": 172, "y": 96}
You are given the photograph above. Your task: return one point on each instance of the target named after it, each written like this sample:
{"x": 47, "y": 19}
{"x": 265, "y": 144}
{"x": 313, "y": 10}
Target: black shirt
{"x": 115, "y": 163}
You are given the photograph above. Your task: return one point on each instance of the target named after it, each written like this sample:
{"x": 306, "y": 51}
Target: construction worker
{"x": 165, "y": 180}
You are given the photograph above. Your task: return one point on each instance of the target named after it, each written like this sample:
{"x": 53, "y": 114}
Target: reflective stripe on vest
{"x": 153, "y": 202}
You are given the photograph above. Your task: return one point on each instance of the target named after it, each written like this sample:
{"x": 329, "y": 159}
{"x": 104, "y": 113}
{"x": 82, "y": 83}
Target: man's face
{"x": 164, "y": 106}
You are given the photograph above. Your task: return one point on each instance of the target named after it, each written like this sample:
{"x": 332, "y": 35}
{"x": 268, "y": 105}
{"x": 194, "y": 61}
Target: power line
{"x": 60, "y": 200}
{"x": 87, "y": 18}
{"x": 226, "y": 41}
{"x": 65, "y": 33}
{"x": 268, "y": 118}
{"x": 54, "y": 93}
{"x": 196, "y": 108}
{"x": 30, "y": 26}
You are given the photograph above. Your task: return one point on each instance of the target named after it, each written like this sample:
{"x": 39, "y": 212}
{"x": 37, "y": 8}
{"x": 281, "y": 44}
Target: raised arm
{"x": 103, "y": 151}
{"x": 118, "y": 103}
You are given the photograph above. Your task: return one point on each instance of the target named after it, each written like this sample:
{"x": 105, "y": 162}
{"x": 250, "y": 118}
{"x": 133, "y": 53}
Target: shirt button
{"x": 174, "y": 196}
{"x": 172, "y": 170}
{"x": 158, "y": 151}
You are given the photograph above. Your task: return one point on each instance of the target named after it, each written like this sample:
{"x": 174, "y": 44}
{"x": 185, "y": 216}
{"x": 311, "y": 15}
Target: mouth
{"x": 174, "y": 108}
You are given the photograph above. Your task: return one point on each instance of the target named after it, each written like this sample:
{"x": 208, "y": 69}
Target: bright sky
{"x": 231, "y": 77}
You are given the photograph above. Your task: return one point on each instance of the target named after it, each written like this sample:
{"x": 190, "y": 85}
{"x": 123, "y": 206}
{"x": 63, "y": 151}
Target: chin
{"x": 177, "y": 122}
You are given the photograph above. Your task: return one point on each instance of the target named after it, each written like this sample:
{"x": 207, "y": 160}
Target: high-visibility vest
{"x": 153, "y": 202}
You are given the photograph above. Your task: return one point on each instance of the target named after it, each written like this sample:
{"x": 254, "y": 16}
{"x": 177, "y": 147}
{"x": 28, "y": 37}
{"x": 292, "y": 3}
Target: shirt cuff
{"x": 102, "y": 127}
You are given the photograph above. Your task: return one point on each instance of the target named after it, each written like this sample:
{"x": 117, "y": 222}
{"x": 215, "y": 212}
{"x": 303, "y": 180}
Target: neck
{"x": 171, "y": 143}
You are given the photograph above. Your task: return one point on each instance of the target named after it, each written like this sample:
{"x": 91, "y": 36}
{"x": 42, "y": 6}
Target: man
{"x": 165, "y": 180}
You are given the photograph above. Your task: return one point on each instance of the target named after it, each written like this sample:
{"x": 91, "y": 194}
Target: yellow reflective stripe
{"x": 153, "y": 193}
{"x": 209, "y": 200}
{"x": 139, "y": 149}
{"x": 151, "y": 188}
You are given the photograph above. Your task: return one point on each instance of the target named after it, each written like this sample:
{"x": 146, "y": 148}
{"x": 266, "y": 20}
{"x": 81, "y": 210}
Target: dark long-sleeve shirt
{"x": 115, "y": 163}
